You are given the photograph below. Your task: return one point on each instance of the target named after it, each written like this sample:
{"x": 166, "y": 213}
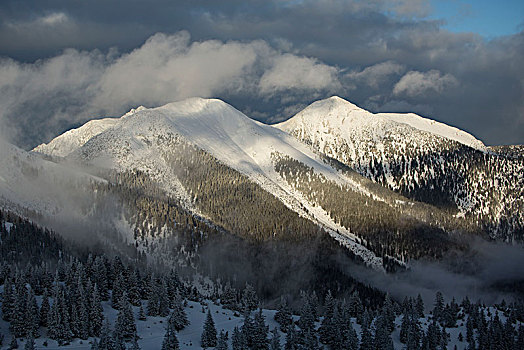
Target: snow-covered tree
{"x": 259, "y": 337}
{"x": 283, "y": 315}
{"x": 222, "y": 341}
{"x": 125, "y": 321}
{"x": 275, "y": 340}
{"x": 170, "y": 339}
{"x": 178, "y": 316}
{"x": 209, "y": 333}
{"x": 249, "y": 298}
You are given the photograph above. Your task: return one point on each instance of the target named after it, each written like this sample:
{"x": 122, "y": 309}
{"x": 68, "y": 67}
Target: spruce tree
{"x": 106, "y": 339}
{"x": 32, "y": 317}
{"x": 134, "y": 344}
{"x": 419, "y": 306}
{"x": 222, "y": 341}
{"x": 366, "y": 342}
{"x": 248, "y": 329}
{"x": 291, "y": 339}
{"x": 18, "y": 326}
{"x": 209, "y": 334}
{"x": 275, "y": 340}
{"x": 439, "y": 307}
{"x": 163, "y": 300}
{"x": 260, "y": 341}
{"x": 170, "y": 339}
{"x": 125, "y": 322}
{"x": 237, "y": 340}
{"x": 382, "y": 340}
{"x": 228, "y": 299}
{"x": 249, "y": 298}
{"x": 178, "y": 316}
{"x": 283, "y": 315}
{"x": 8, "y": 300}
{"x": 141, "y": 314}
{"x": 13, "y": 344}
{"x": 44, "y": 309}
{"x": 30, "y": 343}
{"x": 96, "y": 315}
{"x": 327, "y": 327}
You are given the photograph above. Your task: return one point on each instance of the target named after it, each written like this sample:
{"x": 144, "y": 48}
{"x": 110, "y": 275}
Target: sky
{"x": 63, "y": 62}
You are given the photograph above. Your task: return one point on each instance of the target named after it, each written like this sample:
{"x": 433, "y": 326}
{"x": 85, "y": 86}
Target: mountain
{"x": 421, "y": 159}
{"x": 167, "y": 180}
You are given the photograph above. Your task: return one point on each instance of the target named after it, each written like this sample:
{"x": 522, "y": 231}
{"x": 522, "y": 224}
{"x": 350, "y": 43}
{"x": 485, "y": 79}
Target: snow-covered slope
{"x": 336, "y": 115}
{"x": 420, "y": 158}
{"x": 66, "y": 143}
{"x": 28, "y": 182}
{"x": 141, "y": 140}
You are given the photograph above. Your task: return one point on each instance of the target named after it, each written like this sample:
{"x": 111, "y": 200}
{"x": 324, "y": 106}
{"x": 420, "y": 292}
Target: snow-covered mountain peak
{"x": 339, "y": 117}
{"x": 133, "y": 111}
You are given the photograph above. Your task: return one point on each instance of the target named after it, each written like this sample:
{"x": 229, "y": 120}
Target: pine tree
{"x": 96, "y": 315}
{"x": 382, "y": 340}
{"x": 13, "y": 344}
{"x": 32, "y": 316}
{"x": 248, "y": 329}
{"x": 306, "y": 321}
{"x": 134, "y": 344}
{"x": 163, "y": 300}
{"x": 141, "y": 314}
{"x": 125, "y": 322}
{"x": 355, "y": 306}
{"x": 283, "y": 315}
{"x": 249, "y": 298}
{"x": 350, "y": 339}
{"x": 229, "y": 298}
{"x": 106, "y": 340}
{"x": 30, "y": 343}
{"x": 8, "y": 300}
{"x": 18, "y": 324}
{"x": 275, "y": 340}
{"x": 291, "y": 339}
{"x": 153, "y": 300}
{"x": 439, "y": 307}
{"x": 366, "y": 342}
{"x": 260, "y": 341}
{"x": 118, "y": 341}
{"x": 44, "y": 309}
{"x": 117, "y": 291}
{"x": 170, "y": 339}
{"x": 419, "y": 306}
{"x": 209, "y": 334}
{"x": 237, "y": 340}
{"x": 327, "y": 327}
{"x": 222, "y": 341}
{"x": 178, "y": 316}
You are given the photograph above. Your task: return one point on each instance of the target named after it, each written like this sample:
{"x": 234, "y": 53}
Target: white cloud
{"x": 377, "y": 74}
{"x": 53, "y": 18}
{"x": 78, "y": 85}
{"x": 293, "y": 72}
{"x": 170, "y": 67}
{"x": 415, "y": 83}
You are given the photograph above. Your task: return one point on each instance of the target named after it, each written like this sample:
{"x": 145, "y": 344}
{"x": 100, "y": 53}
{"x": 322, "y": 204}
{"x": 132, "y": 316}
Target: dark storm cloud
{"x": 382, "y": 55}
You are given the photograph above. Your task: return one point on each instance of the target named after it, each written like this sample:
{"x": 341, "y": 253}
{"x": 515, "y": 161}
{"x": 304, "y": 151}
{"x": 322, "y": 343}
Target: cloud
{"x": 415, "y": 83}
{"x": 41, "y": 99}
{"x": 350, "y": 35}
{"x": 410, "y": 8}
{"x": 170, "y": 67}
{"x": 376, "y": 74}
{"x": 291, "y": 72}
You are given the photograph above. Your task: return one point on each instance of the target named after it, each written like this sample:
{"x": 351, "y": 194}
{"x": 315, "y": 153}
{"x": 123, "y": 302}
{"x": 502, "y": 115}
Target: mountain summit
{"x": 338, "y": 115}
